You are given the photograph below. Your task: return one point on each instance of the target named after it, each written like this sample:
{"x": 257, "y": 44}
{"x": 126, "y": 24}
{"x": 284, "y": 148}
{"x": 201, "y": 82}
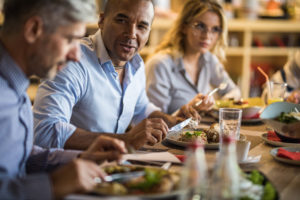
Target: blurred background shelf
{"x": 252, "y": 43}
{"x": 271, "y": 51}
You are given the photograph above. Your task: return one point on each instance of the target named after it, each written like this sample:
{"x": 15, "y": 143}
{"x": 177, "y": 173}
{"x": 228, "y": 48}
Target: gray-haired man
{"x": 38, "y": 37}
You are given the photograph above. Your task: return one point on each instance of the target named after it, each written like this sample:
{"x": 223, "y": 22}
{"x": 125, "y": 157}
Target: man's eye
{"x": 70, "y": 40}
{"x": 143, "y": 27}
{"x": 121, "y": 21}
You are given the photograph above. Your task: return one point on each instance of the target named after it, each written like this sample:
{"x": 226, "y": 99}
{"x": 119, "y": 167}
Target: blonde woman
{"x": 188, "y": 63}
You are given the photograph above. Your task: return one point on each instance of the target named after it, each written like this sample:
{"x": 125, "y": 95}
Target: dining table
{"x": 284, "y": 177}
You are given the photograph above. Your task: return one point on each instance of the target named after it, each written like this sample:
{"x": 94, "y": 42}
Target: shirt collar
{"x": 14, "y": 75}
{"x": 100, "y": 49}
{"x": 179, "y": 62}
{"x": 102, "y": 53}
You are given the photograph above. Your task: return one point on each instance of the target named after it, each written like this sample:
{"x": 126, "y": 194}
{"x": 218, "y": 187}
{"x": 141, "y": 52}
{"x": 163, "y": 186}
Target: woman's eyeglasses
{"x": 201, "y": 28}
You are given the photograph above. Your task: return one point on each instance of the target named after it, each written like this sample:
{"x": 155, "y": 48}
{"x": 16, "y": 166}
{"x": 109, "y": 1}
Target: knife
{"x": 120, "y": 177}
{"x": 181, "y": 125}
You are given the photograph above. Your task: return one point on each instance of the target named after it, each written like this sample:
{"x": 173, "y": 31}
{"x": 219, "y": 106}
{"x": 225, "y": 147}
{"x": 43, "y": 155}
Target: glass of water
{"x": 230, "y": 122}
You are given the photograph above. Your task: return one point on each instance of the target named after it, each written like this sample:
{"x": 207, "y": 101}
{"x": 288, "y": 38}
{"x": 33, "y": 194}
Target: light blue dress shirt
{"x": 18, "y": 156}
{"x": 88, "y": 95}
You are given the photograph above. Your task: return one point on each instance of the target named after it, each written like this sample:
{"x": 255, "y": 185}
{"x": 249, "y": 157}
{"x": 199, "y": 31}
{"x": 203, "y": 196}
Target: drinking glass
{"x": 230, "y": 122}
{"x": 276, "y": 92}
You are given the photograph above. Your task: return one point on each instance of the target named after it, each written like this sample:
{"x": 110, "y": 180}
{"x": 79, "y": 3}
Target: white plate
{"x": 173, "y": 194}
{"x": 277, "y": 143}
{"x": 274, "y": 151}
{"x": 173, "y": 137}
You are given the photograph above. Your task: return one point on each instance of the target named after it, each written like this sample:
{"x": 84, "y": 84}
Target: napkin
{"x": 288, "y": 154}
{"x": 273, "y": 137}
{"x": 155, "y": 156}
{"x": 181, "y": 157}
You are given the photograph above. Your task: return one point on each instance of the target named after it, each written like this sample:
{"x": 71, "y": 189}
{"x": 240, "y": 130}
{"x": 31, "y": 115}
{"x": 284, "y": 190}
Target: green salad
{"x": 194, "y": 133}
{"x": 255, "y": 186}
{"x": 289, "y": 117}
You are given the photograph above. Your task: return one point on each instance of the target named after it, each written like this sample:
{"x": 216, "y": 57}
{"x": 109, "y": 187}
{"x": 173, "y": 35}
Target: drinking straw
{"x": 267, "y": 79}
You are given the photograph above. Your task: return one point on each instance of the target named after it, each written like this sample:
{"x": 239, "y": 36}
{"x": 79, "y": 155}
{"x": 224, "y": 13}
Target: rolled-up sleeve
{"x": 48, "y": 159}
{"x": 37, "y": 184}
{"x": 53, "y": 106}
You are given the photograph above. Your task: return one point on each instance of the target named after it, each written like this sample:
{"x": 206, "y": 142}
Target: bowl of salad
{"x": 284, "y": 118}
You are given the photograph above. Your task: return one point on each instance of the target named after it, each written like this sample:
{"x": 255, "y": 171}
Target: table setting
{"x": 255, "y": 153}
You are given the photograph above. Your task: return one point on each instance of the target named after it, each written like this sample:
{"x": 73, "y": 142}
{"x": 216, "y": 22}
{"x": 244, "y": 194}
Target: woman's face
{"x": 202, "y": 33}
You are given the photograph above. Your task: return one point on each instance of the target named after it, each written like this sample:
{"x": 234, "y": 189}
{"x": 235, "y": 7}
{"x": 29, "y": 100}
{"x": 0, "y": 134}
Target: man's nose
{"x": 131, "y": 31}
{"x": 74, "y": 53}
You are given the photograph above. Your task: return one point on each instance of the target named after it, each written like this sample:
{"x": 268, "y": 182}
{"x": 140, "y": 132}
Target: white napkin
{"x": 155, "y": 156}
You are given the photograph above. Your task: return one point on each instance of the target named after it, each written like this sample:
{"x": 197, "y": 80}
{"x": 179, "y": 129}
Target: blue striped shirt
{"x": 18, "y": 156}
{"x": 88, "y": 95}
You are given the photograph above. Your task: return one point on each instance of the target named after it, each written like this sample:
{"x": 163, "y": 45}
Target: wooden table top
{"x": 285, "y": 178}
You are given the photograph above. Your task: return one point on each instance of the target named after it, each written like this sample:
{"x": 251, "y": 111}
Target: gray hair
{"x": 54, "y": 13}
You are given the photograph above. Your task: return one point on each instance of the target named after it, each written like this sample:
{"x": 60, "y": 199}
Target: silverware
{"x": 181, "y": 125}
{"x": 222, "y": 86}
{"x": 166, "y": 166}
{"x": 130, "y": 149}
{"x": 120, "y": 177}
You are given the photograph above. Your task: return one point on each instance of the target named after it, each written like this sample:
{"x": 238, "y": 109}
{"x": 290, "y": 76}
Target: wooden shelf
{"x": 234, "y": 51}
{"x": 271, "y": 51}
{"x": 264, "y": 25}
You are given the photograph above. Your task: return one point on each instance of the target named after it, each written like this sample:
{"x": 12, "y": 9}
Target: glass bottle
{"x": 194, "y": 173}
{"x": 225, "y": 179}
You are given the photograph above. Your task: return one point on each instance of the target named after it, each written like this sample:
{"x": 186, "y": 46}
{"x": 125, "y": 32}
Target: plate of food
{"x": 285, "y": 152}
{"x": 277, "y": 142}
{"x": 284, "y": 118}
{"x": 155, "y": 183}
{"x": 255, "y": 185}
{"x": 208, "y": 136}
{"x": 250, "y": 107}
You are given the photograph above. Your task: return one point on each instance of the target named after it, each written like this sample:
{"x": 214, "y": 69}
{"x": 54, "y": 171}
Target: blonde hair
{"x": 173, "y": 42}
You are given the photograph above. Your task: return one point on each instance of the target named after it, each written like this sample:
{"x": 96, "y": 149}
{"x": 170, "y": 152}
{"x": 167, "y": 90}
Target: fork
{"x": 222, "y": 86}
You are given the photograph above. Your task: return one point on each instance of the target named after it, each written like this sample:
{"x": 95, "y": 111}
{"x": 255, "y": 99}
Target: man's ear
{"x": 33, "y": 29}
{"x": 100, "y": 22}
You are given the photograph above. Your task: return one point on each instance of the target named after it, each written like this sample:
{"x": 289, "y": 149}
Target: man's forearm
{"x": 82, "y": 139}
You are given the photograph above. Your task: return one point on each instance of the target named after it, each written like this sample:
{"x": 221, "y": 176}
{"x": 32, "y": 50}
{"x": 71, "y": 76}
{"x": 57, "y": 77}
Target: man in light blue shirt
{"x": 105, "y": 91}
{"x": 33, "y": 42}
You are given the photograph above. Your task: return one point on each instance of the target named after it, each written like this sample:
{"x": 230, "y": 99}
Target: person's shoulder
{"x": 160, "y": 60}
{"x": 8, "y": 94}
{"x": 160, "y": 57}
{"x": 211, "y": 58}
{"x": 87, "y": 44}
